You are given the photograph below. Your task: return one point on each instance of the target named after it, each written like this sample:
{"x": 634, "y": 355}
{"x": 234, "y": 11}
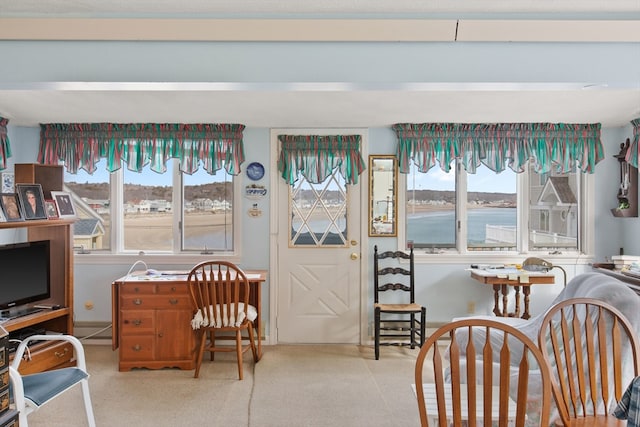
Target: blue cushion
{"x": 43, "y": 386}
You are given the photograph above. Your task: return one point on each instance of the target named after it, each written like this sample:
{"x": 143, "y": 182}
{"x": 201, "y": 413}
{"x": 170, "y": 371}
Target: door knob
{"x": 354, "y": 256}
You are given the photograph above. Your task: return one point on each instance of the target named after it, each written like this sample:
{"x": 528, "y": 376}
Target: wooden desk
{"x": 502, "y": 279}
{"x": 152, "y": 319}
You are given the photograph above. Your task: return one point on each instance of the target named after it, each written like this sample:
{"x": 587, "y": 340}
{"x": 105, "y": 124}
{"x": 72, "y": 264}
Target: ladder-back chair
{"x": 395, "y": 322}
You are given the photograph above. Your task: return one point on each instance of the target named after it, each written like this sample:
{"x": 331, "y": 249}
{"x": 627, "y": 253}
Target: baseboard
{"x": 98, "y": 331}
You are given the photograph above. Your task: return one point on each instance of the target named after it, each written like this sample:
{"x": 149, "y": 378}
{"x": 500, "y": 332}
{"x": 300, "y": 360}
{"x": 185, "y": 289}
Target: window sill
{"x": 150, "y": 258}
{"x": 424, "y": 257}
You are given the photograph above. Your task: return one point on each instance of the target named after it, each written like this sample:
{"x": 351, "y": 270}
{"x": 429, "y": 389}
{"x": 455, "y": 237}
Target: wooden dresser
{"x": 153, "y": 325}
{"x": 152, "y": 320}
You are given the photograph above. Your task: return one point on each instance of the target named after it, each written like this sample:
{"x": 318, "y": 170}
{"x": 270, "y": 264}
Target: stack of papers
{"x": 633, "y": 270}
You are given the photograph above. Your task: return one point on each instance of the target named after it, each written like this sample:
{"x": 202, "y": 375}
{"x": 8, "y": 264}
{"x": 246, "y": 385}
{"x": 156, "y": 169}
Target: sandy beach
{"x": 154, "y": 230}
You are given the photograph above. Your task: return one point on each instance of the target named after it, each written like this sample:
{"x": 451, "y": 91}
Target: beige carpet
{"x": 305, "y": 385}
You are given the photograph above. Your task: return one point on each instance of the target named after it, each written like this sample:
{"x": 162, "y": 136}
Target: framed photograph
{"x": 31, "y": 200}
{"x": 11, "y": 207}
{"x": 7, "y": 180}
{"x": 64, "y": 204}
{"x": 51, "y": 209}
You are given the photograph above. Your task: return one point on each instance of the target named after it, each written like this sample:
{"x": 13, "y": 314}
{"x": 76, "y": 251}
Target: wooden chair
{"x": 32, "y": 391}
{"x": 397, "y": 319}
{"x": 592, "y": 350}
{"x": 219, "y": 290}
{"x": 471, "y": 384}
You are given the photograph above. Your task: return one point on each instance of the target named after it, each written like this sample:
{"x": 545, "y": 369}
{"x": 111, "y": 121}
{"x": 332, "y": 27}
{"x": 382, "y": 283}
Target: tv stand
{"x": 45, "y": 355}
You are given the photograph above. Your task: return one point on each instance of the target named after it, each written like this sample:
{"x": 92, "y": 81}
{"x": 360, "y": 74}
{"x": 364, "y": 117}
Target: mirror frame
{"x": 383, "y": 188}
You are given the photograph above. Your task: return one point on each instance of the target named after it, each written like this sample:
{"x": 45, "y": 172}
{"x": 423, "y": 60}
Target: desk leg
{"x": 517, "y": 312}
{"x": 496, "y": 300}
{"x": 505, "y": 300}
{"x": 526, "y": 290}
{"x": 258, "y": 333}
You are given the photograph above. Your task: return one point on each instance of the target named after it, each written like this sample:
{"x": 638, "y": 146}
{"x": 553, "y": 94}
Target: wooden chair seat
{"x": 598, "y": 420}
{"x": 400, "y": 308}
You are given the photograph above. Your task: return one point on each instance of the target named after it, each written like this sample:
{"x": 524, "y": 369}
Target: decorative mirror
{"x": 383, "y": 177}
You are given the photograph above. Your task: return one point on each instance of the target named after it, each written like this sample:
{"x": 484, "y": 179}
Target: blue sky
{"x": 484, "y": 180}
{"x": 148, "y": 177}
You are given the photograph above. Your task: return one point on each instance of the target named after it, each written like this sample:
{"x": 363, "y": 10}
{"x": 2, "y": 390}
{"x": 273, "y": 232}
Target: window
{"x": 431, "y": 208}
{"x": 92, "y": 198}
{"x": 554, "y": 211}
{"x": 493, "y": 205}
{"x": 491, "y": 210}
{"x": 170, "y": 212}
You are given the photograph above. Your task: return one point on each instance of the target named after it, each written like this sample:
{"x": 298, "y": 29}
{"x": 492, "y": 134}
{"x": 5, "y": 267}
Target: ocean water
{"x": 426, "y": 227}
{"x": 439, "y": 226}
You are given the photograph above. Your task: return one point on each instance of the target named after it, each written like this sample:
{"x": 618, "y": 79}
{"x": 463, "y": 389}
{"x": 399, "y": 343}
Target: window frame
{"x": 460, "y": 254}
{"x": 177, "y": 256}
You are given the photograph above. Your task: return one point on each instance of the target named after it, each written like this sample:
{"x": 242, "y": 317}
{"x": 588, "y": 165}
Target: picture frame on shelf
{"x": 11, "y": 207}
{"x": 31, "y": 201}
{"x": 7, "y": 181}
{"x": 51, "y": 209}
{"x": 64, "y": 203}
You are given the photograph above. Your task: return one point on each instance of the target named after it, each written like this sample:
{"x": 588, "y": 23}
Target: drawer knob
{"x": 173, "y": 301}
{"x": 61, "y": 354}
{"x": 136, "y": 289}
{"x": 173, "y": 289}
{"x": 137, "y": 322}
{"x": 137, "y": 301}
{"x": 137, "y": 347}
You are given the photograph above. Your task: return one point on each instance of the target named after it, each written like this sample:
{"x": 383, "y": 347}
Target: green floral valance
{"x": 632, "y": 152}
{"x": 82, "y": 145}
{"x": 5, "y": 147}
{"x": 316, "y": 156}
{"x": 558, "y": 147}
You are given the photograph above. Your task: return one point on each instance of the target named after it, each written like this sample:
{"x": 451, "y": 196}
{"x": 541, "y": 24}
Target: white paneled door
{"x": 318, "y": 297}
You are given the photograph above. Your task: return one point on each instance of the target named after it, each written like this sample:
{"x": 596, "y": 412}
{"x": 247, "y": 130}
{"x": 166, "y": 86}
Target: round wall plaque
{"x": 255, "y": 171}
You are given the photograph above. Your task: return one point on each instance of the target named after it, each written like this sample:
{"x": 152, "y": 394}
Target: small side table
{"x": 503, "y": 278}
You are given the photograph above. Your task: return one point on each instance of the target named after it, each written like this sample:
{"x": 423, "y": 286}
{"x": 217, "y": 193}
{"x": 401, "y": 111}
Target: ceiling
{"x": 324, "y": 104}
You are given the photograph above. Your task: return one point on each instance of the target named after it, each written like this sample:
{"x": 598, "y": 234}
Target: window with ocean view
{"x": 431, "y": 208}
{"x": 491, "y": 210}
{"x": 488, "y": 204}
{"x": 195, "y": 215}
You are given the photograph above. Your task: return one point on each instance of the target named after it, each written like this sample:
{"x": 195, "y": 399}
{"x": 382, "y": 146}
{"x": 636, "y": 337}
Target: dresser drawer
{"x": 143, "y": 302}
{"x": 134, "y": 348}
{"x": 137, "y": 322}
{"x": 138, "y": 289}
{"x": 173, "y": 288}
{"x": 48, "y": 356}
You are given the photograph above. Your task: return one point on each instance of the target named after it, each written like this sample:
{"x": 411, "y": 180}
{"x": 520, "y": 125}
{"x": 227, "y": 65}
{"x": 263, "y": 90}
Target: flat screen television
{"x": 24, "y": 273}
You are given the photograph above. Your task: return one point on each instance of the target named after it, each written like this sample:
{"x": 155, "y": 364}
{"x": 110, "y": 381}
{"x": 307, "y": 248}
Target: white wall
{"x": 445, "y": 289}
